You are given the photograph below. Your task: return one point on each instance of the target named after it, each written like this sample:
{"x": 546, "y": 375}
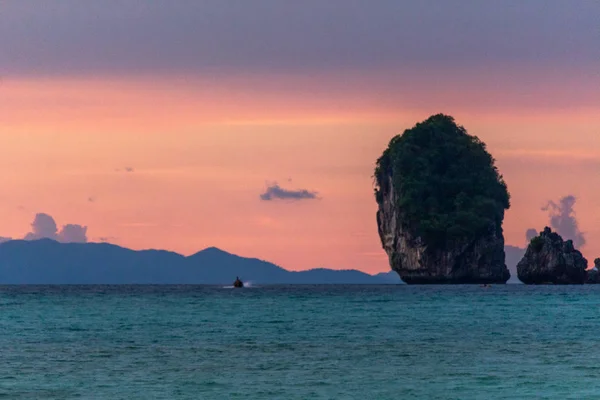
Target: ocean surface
{"x": 300, "y": 342}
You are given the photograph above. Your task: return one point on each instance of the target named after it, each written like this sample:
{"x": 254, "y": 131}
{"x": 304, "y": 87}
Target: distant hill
{"x": 513, "y": 256}
{"x": 48, "y": 262}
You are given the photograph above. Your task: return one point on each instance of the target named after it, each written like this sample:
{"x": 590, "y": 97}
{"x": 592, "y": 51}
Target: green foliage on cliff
{"x": 537, "y": 243}
{"x": 447, "y": 186}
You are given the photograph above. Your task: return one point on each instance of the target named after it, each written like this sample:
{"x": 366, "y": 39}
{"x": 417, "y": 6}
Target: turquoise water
{"x": 299, "y": 342}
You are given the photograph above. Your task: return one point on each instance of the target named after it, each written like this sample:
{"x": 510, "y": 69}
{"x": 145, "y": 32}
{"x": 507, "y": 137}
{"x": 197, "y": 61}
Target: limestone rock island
{"x": 441, "y": 204}
{"x": 550, "y": 260}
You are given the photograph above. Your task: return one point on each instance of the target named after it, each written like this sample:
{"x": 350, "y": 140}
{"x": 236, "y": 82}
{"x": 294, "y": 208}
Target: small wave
{"x": 246, "y": 285}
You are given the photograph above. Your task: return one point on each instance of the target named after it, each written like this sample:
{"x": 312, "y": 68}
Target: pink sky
{"x": 202, "y": 155}
{"x": 211, "y": 102}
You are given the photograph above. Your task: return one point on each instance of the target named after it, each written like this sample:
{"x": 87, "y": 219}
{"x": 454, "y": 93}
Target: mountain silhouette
{"x": 46, "y": 261}
{"x": 513, "y": 256}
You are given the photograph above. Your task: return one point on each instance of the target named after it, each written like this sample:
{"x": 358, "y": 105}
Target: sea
{"x": 300, "y": 342}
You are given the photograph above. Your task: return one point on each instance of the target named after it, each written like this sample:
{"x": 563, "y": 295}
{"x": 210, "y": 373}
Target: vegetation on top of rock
{"x": 537, "y": 243}
{"x": 447, "y": 187}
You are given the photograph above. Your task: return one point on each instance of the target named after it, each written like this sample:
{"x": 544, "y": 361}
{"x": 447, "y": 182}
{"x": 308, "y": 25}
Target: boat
{"x": 238, "y": 283}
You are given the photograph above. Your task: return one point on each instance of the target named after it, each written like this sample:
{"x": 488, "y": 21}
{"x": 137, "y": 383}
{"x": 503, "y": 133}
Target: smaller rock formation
{"x": 593, "y": 275}
{"x": 550, "y": 260}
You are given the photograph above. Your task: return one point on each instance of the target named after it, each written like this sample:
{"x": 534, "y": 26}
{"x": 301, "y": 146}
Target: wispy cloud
{"x": 276, "y": 192}
{"x": 125, "y": 169}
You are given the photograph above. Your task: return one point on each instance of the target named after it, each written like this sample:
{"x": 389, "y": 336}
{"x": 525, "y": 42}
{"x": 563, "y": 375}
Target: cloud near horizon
{"x": 530, "y": 234}
{"x": 276, "y": 192}
{"x": 44, "y": 227}
{"x": 563, "y": 220}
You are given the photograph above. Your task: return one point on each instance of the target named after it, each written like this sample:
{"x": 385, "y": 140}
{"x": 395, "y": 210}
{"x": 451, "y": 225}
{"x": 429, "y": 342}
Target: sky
{"x": 255, "y": 126}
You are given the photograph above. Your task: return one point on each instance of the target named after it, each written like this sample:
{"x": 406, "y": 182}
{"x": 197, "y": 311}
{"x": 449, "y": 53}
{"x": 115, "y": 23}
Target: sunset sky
{"x": 160, "y": 124}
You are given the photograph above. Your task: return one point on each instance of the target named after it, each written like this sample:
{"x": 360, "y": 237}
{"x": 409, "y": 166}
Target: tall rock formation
{"x": 550, "y": 260}
{"x": 441, "y": 204}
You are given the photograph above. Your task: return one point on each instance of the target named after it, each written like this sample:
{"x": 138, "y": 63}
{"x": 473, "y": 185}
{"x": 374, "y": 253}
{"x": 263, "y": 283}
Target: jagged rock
{"x": 441, "y": 203}
{"x": 593, "y": 275}
{"x": 550, "y": 260}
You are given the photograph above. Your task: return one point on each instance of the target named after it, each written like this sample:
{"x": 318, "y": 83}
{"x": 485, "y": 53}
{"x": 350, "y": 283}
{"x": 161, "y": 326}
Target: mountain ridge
{"x": 46, "y": 261}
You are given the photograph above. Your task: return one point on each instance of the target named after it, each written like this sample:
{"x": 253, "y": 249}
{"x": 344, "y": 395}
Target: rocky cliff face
{"x": 550, "y": 260}
{"x": 479, "y": 260}
{"x": 441, "y": 205}
{"x": 593, "y": 275}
